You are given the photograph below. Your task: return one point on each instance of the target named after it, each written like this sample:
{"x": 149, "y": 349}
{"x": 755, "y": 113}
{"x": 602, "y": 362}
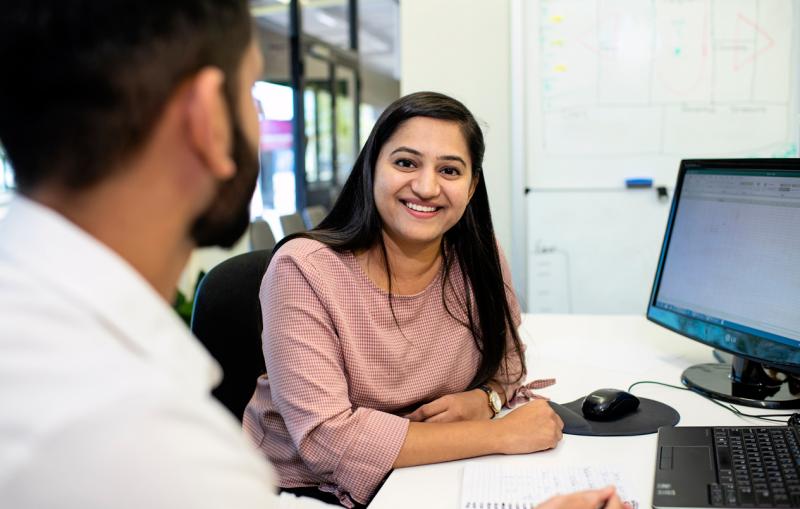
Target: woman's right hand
{"x": 530, "y": 428}
{"x": 605, "y": 498}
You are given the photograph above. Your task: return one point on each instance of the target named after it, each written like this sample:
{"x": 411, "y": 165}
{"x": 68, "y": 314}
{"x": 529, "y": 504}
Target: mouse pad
{"x": 650, "y": 416}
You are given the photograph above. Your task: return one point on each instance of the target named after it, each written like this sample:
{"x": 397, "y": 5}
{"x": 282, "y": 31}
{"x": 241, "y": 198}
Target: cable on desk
{"x": 726, "y": 406}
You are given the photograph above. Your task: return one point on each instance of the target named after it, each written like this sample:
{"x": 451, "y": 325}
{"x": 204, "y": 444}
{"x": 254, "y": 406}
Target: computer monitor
{"x": 729, "y": 276}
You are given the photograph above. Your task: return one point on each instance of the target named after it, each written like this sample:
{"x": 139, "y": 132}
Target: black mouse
{"x": 609, "y": 404}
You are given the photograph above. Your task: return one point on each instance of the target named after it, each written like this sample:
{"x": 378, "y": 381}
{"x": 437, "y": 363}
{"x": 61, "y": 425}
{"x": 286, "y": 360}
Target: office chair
{"x": 314, "y": 215}
{"x": 261, "y": 236}
{"x": 292, "y": 223}
{"x": 226, "y": 318}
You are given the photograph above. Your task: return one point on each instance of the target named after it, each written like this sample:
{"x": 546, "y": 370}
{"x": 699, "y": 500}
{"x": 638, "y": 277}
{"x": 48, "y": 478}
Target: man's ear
{"x": 209, "y": 122}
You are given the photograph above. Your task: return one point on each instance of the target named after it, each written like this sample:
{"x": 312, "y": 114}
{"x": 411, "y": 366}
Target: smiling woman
{"x": 390, "y": 330}
{"x": 423, "y": 182}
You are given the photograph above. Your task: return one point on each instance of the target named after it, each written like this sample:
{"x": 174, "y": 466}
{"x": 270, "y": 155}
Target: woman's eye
{"x": 404, "y": 163}
{"x": 450, "y": 171}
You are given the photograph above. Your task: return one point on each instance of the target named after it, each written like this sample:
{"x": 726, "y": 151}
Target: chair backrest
{"x": 261, "y": 236}
{"x": 227, "y": 319}
{"x": 292, "y": 223}
{"x": 314, "y": 215}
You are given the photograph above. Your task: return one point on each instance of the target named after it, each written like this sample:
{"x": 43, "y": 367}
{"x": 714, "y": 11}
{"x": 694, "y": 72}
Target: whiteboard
{"x": 606, "y": 90}
{"x": 593, "y": 252}
{"x": 617, "y": 89}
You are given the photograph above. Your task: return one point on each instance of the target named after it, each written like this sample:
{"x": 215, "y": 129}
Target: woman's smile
{"x": 420, "y": 210}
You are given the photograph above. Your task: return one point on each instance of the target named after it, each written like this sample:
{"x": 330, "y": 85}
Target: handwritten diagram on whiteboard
{"x": 626, "y": 88}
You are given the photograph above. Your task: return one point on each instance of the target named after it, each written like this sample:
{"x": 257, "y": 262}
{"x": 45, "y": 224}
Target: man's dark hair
{"x": 85, "y": 81}
{"x": 355, "y": 225}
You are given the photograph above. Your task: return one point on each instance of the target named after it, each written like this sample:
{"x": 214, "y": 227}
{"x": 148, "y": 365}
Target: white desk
{"x": 585, "y": 353}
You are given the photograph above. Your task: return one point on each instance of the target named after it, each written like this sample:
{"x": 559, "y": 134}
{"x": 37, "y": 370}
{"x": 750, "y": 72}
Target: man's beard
{"x": 228, "y": 216}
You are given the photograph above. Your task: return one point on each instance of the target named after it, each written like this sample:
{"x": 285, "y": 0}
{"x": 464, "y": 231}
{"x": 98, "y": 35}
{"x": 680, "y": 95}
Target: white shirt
{"x": 104, "y": 393}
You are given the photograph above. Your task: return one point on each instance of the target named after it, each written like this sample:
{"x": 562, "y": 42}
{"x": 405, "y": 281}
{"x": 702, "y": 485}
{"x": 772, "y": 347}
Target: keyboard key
{"x": 730, "y": 497}
{"x": 715, "y": 494}
{"x": 723, "y": 458}
{"x": 746, "y": 497}
{"x": 763, "y": 498}
{"x": 781, "y": 500}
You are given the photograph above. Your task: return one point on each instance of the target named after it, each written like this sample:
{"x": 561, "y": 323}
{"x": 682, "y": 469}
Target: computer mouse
{"x": 609, "y": 404}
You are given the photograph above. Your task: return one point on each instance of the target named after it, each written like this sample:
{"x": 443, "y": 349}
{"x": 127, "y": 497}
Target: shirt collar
{"x": 84, "y": 270}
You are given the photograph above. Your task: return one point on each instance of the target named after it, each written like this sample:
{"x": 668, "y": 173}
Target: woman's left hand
{"x": 462, "y": 406}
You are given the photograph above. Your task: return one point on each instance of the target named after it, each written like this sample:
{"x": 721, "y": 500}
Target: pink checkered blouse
{"x": 341, "y": 373}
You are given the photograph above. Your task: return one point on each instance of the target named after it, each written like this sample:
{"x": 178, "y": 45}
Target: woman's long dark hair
{"x": 354, "y": 225}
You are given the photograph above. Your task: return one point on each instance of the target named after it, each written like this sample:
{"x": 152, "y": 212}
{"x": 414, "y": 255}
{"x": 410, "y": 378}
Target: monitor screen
{"x": 729, "y": 272}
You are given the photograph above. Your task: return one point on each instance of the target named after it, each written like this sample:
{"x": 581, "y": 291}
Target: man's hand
{"x": 605, "y": 498}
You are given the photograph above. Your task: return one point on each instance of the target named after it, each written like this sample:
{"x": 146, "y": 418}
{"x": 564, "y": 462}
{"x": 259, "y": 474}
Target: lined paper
{"x": 499, "y": 486}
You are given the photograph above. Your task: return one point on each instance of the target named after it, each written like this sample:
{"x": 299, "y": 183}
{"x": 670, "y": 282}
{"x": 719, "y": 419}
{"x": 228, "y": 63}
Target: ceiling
{"x": 327, "y": 20}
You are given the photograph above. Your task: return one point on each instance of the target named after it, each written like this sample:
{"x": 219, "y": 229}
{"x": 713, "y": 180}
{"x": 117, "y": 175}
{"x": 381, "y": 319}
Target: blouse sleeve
{"x": 511, "y": 375}
{"x": 352, "y": 448}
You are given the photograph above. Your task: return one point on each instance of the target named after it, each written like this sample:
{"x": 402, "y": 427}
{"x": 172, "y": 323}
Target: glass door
{"x": 347, "y": 122}
{"x": 331, "y": 125}
{"x": 318, "y": 53}
{"x": 320, "y": 138}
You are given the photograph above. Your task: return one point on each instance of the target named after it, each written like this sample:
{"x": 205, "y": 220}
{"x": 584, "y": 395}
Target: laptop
{"x": 727, "y": 467}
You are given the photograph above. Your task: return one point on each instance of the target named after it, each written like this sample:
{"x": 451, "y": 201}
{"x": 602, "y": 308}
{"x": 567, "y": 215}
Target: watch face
{"x": 495, "y": 401}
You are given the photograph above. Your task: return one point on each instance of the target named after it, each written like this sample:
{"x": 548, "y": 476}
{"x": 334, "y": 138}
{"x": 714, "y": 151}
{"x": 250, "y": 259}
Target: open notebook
{"x": 497, "y": 486}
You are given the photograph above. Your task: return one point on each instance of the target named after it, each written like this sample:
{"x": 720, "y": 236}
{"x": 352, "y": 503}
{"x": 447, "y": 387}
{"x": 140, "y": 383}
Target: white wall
{"x": 462, "y": 48}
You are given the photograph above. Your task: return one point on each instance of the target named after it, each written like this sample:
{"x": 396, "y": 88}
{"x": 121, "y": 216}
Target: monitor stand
{"x": 743, "y": 382}
{"x": 723, "y": 357}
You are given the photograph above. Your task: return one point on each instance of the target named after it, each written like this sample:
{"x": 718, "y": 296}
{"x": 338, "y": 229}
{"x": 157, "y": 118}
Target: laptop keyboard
{"x": 756, "y": 467}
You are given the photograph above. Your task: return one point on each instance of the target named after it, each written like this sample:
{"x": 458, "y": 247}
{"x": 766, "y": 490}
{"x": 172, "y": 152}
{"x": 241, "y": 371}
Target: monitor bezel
{"x": 743, "y": 344}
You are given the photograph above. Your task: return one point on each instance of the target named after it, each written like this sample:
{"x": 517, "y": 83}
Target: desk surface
{"x": 585, "y": 353}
